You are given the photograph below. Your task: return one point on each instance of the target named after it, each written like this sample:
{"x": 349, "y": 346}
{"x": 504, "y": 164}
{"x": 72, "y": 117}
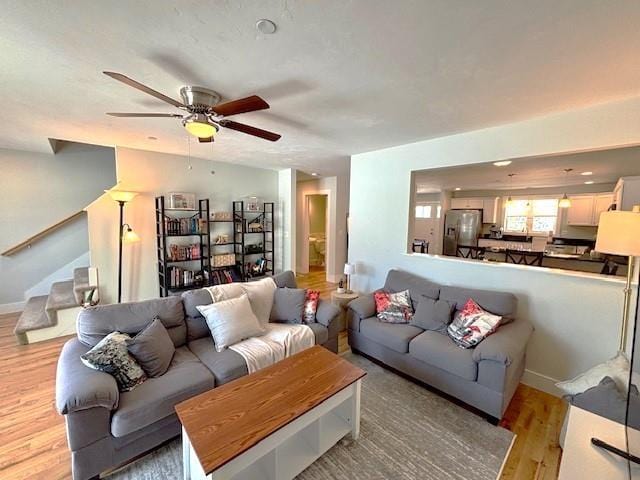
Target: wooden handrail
{"x": 39, "y": 236}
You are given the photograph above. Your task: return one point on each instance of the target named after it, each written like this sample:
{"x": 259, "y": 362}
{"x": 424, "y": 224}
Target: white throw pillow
{"x": 231, "y": 321}
{"x": 261, "y": 295}
{"x": 225, "y": 291}
{"x": 617, "y": 368}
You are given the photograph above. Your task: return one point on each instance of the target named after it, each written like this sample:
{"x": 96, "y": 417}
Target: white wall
{"x": 337, "y": 190}
{"x": 38, "y": 190}
{"x": 576, "y": 317}
{"x": 153, "y": 174}
{"x": 287, "y": 216}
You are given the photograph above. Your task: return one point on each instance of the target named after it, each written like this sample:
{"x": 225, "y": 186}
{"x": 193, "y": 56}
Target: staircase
{"x": 54, "y": 315}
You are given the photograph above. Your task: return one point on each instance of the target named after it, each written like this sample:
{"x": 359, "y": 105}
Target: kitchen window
{"x": 531, "y": 215}
{"x": 428, "y": 211}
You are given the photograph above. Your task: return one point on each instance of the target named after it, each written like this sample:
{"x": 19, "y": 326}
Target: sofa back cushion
{"x": 95, "y": 323}
{"x": 418, "y": 287}
{"x": 285, "y": 279}
{"x": 499, "y": 303}
{"x": 196, "y": 324}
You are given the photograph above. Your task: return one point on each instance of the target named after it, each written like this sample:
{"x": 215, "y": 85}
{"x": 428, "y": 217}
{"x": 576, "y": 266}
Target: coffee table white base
{"x": 288, "y": 451}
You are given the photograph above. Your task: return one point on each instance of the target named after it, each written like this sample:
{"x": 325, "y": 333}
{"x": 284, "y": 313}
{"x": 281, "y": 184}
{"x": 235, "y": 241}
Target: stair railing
{"x": 40, "y": 235}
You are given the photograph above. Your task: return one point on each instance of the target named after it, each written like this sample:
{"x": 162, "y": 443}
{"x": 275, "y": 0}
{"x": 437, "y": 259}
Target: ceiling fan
{"x": 204, "y": 113}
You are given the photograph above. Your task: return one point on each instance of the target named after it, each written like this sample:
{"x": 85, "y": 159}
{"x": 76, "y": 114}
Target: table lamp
{"x": 349, "y": 269}
{"x": 619, "y": 234}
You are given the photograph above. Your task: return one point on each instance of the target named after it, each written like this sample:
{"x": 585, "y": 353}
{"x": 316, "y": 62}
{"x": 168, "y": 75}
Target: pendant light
{"x": 565, "y": 202}
{"x": 509, "y": 199}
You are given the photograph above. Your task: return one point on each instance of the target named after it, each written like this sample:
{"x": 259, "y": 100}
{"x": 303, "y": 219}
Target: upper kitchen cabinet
{"x": 489, "y": 206}
{"x": 585, "y": 210}
{"x": 462, "y": 203}
{"x": 627, "y": 193}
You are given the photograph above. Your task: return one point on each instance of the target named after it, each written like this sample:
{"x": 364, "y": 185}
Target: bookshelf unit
{"x": 183, "y": 266}
{"x": 247, "y": 232}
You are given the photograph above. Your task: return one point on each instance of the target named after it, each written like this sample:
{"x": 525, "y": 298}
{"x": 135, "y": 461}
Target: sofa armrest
{"x": 363, "y": 306}
{"x": 327, "y": 313}
{"x": 79, "y": 387}
{"x": 506, "y": 345}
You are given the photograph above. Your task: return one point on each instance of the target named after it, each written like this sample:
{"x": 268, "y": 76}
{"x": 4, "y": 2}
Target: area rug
{"x": 406, "y": 433}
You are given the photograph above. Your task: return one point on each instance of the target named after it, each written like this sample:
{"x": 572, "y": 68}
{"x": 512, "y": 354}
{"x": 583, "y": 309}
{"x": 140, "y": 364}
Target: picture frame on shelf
{"x": 181, "y": 201}
{"x": 253, "y": 204}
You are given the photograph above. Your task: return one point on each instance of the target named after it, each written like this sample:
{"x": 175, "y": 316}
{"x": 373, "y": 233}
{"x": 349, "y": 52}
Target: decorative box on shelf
{"x": 182, "y": 201}
{"x": 222, "y": 216}
{"x": 224, "y": 260}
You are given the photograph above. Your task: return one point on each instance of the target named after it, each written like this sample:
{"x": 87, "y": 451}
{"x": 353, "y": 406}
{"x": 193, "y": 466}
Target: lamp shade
{"x": 619, "y": 233}
{"x": 121, "y": 195}
{"x": 130, "y": 236}
{"x": 349, "y": 269}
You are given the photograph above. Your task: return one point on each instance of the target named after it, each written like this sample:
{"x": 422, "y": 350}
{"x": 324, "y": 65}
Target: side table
{"x": 341, "y": 300}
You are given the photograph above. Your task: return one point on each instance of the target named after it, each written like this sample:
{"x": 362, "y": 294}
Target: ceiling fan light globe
{"x": 199, "y": 126}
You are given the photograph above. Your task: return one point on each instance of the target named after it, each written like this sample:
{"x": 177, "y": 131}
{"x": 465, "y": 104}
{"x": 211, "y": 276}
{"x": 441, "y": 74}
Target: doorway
{"x": 427, "y": 224}
{"x": 317, "y": 221}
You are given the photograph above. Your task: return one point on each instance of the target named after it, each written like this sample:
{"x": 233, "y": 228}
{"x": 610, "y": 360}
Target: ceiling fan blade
{"x": 205, "y": 140}
{"x": 256, "y": 132}
{"x": 242, "y": 105}
{"x": 143, "y": 88}
{"x": 145, "y": 115}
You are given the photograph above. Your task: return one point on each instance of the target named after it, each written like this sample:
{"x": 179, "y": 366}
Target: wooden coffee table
{"x": 274, "y": 423}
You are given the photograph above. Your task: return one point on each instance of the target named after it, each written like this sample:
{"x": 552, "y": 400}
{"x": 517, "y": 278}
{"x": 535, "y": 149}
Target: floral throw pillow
{"x": 393, "y": 307}
{"x": 310, "y": 306}
{"x": 472, "y": 324}
{"x": 111, "y": 356}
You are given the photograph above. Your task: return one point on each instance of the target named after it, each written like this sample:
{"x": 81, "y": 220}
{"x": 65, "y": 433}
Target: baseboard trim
{"x": 541, "y": 382}
{"x": 12, "y": 307}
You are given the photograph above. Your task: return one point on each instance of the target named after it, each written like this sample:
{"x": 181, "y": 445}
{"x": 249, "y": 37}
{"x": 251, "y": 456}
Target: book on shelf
{"x": 183, "y": 252}
{"x": 185, "y": 226}
{"x": 182, "y": 277}
{"x": 220, "y": 277}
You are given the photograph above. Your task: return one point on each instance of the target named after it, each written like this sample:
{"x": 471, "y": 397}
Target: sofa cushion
{"x": 320, "y": 332}
{"x": 440, "y": 351}
{"x": 288, "y": 305}
{"x": 225, "y": 366}
{"x": 418, "y": 287}
{"x": 193, "y": 298}
{"x": 156, "y": 398}
{"x": 285, "y": 279}
{"x": 395, "y": 336}
{"x": 498, "y": 303}
{"x": 433, "y": 315}
{"x": 95, "y": 323}
{"x": 152, "y": 348}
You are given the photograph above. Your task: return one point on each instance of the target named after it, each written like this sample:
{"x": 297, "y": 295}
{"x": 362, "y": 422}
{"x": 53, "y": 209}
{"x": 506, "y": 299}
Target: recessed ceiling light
{"x": 586, "y": 173}
{"x": 266, "y": 26}
{"x": 590, "y": 182}
{"x": 458, "y": 189}
{"x": 503, "y": 163}
{"x": 314, "y": 174}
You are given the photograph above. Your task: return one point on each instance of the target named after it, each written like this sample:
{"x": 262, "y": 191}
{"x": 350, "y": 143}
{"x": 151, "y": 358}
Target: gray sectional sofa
{"x": 106, "y": 428}
{"x": 484, "y": 377}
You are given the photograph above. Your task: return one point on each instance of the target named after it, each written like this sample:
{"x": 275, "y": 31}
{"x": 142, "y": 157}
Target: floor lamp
{"x": 619, "y": 234}
{"x": 125, "y": 233}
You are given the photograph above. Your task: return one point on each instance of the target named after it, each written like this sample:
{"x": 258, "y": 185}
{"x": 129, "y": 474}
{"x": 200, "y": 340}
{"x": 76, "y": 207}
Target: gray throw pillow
{"x": 152, "y": 348}
{"x": 433, "y": 315}
{"x": 110, "y": 355}
{"x": 288, "y": 305}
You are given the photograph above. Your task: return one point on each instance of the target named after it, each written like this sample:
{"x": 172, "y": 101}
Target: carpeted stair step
{"x": 33, "y": 317}
{"x": 81, "y": 284}
{"x": 61, "y": 296}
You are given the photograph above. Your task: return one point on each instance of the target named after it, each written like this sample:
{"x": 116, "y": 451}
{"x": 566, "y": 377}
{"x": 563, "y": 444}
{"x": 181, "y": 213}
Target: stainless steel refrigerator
{"x": 461, "y": 227}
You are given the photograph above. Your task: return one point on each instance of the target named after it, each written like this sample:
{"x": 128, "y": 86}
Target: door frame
{"x": 329, "y": 234}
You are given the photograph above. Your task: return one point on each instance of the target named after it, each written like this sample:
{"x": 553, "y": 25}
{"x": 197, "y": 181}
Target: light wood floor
{"x": 32, "y": 434}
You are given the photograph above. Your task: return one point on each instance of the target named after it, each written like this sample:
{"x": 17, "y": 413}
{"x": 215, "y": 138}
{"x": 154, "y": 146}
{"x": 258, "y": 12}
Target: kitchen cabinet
{"x": 489, "y": 206}
{"x": 585, "y": 210}
{"x": 627, "y": 193}
{"x": 490, "y": 210}
{"x": 461, "y": 203}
